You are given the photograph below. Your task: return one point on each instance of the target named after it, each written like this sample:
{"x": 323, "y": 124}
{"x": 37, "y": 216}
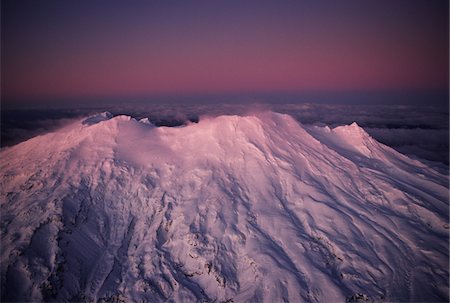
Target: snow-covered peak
{"x": 352, "y": 131}
{"x": 348, "y": 140}
{"x": 233, "y": 208}
{"x": 355, "y": 136}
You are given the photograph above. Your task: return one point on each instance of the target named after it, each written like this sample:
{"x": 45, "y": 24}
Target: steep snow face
{"x": 255, "y": 208}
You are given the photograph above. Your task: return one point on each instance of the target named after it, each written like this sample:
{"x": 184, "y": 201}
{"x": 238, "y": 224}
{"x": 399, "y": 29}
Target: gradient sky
{"x": 81, "y": 49}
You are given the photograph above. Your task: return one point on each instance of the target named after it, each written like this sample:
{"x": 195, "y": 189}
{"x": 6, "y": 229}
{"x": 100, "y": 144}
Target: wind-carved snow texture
{"x": 232, "y": 209}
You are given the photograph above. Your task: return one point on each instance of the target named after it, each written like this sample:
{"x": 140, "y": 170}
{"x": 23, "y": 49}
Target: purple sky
{"x": 90, "y": 49}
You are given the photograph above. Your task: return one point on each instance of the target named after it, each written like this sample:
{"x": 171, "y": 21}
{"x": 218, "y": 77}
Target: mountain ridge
{"x": 237, "y": 208}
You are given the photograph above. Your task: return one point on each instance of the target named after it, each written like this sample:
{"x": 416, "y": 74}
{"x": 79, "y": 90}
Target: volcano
{"x": 256, "y": 208}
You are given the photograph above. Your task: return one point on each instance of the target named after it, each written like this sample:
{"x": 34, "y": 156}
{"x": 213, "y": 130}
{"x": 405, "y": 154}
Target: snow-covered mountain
{"x": 230, "y": 209}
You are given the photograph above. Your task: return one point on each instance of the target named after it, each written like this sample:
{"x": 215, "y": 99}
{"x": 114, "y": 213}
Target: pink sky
{"x": 174, "y": 49}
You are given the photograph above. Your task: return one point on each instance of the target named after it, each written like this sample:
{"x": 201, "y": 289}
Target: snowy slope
{"x": 255, "y": 208}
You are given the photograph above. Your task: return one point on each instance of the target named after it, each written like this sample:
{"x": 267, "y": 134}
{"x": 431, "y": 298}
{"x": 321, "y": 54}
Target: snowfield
{"x": 231, "y": 209}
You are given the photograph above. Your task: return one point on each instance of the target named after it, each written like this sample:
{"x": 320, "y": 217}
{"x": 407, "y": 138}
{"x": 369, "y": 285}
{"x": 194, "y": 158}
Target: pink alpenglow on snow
{"x": 233, "y": 208}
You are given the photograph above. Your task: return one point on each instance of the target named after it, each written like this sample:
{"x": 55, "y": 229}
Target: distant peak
{"x": 353, "y": 128}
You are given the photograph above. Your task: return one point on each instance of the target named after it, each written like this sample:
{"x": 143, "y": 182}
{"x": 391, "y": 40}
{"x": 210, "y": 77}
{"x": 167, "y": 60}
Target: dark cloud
{"x": 430, "y": 144}
{"x": 21, "y": 125}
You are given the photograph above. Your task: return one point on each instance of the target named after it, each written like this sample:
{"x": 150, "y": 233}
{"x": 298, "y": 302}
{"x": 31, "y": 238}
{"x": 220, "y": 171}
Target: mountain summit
{"x": 231, "y": 209}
